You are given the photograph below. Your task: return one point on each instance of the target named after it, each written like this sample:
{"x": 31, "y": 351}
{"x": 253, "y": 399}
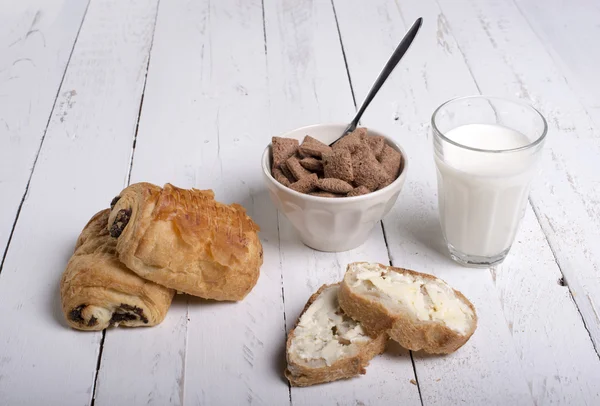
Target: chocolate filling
{"x": 120, "y": 222}
{"x": 93, "y": 321}
{"x": 75, "y": 314}
{"x": 127, "y": 312}
{"x": 114, "y": 201}
{"x": 118, "y": 317}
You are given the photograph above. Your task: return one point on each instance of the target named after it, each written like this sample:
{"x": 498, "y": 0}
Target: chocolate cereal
{"x": 305, "y": 185}
{"x": 286, "y": 171}
{"x": 390, "y": 160}
{"x": 358, "y": 191}
{"x": 334, "y": 185}
{"x": 356, "y": 165}
{"x": 376, "y": 143}
{"x": 352, "y": 141}
{"x": 296, "y": 169}
{"x": 338, "y": 165}
{"x": 325, "y": 194}
{"x": 367, "y": 170}
{"x": 280, "y": 177}
{"x": 314, "y": 147}
{"x": 312, "y": 164}
{"x": 283, "y": 148}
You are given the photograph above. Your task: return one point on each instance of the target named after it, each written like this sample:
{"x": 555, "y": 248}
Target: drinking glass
{"x": 486, "y": 152}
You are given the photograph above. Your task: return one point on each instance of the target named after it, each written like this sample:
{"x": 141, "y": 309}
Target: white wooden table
{"x": 95, "y": 94}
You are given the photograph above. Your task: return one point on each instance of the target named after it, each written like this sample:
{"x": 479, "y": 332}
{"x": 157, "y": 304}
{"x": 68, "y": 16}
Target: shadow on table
{"x": 427, "y": 232}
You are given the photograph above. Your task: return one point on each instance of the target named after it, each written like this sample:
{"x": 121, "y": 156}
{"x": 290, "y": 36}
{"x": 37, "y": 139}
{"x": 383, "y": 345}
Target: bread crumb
{"x": 413, "y": 381}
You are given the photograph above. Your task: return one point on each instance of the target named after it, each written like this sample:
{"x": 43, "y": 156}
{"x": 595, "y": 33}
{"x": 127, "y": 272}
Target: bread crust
{"x": 302, "y": 375}
{"x": 430, "y": 336}
{"x": 185, "y": 240}
{"x": 97, "y": 290}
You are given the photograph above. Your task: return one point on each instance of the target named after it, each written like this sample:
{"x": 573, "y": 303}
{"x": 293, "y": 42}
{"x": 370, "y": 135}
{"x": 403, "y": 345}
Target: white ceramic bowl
{"x": 332, "y": 224}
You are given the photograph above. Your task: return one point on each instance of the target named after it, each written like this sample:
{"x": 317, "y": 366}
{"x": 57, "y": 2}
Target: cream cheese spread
{"x": 325, "y": 332}
{"x": 429, "y": 300}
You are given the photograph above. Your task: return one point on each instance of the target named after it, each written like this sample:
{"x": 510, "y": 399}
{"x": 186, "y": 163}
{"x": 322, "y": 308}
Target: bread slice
{"x": 326, "y": 345}
{"x": 419, "y": 311}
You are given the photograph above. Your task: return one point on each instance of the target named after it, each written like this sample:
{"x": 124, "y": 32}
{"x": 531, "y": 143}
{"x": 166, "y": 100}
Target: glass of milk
{"x": 486, "y": 151}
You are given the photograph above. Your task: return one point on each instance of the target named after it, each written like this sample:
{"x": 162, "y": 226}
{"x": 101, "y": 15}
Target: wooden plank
{"x": 536, "y": 366}
{"x": 204, "y": 124}
{"x": 556, "y": 352}
{"x": 308, "y": 85}
{"x": 487, "y": 369}
{"x": 507, "y": 58}
{"x": 83, "y": 162}
{"x": 36, "y": 38}
{"x": 566, "y": 29}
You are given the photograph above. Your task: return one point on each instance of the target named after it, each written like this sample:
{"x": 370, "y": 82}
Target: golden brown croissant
{"x": 97, "y": 290}
{"x": 185, "y": 240}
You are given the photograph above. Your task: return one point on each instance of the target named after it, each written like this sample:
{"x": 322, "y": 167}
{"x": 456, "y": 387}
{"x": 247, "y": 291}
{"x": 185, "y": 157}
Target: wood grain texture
{"x": 223, "y": 78}
{"x": 419, "y": 85}
{"x": 568, "y": 30}
{"x": 204, "y": 124}
{"x": 507, "y": 58}
{"x": 83, "y": 161}
{"x": 555, "y": 350}
{"x": 308, "y": 84}
{"x": 36, "y": 39}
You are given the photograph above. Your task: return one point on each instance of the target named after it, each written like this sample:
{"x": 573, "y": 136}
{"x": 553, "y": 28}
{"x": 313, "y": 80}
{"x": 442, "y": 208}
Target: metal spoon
{"x": 387, "y": 69}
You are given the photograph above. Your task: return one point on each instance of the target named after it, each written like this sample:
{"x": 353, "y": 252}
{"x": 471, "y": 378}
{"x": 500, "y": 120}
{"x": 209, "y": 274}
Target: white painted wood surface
{"x": 412, "y": 226}
{"x": 568, "y": 31}
{"x": 506, "y": 57}
{"x": 36, "y": 39}
{"x": 215, "y": 81}
{"x": 84, "y": 159}
{"x": 308, "y": 85}
{"x": 205, "y": 107}
{"x": 412, "y": 237}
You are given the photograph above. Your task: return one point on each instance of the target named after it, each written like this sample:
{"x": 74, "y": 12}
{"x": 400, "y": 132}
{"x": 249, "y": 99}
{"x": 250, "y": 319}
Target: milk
{"x": 483, "y": 195}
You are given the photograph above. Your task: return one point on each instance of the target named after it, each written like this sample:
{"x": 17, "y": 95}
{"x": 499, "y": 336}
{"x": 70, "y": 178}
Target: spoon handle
{"x": 387, "y": 69}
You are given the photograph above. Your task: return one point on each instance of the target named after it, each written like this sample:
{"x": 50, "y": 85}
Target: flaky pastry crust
{"x": 97, "y": 290}
{"x": 185, "y": 240}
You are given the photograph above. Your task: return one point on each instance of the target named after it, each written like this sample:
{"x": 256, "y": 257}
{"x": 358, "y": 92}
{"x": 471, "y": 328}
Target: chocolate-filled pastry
{"x": 185, "y": 240}
{"x": 97, "y": 290}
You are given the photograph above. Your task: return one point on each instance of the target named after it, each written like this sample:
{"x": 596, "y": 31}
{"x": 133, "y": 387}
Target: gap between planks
{"x": 37, "y": 154}
{"x": 564, "y": 280}
{"x": 93, "y": 401}
{"x": 128, "y": 177}
{"x": 264, "y": 27}
{"x": 537, "y": 215}
{"x": 387, "y": 247}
